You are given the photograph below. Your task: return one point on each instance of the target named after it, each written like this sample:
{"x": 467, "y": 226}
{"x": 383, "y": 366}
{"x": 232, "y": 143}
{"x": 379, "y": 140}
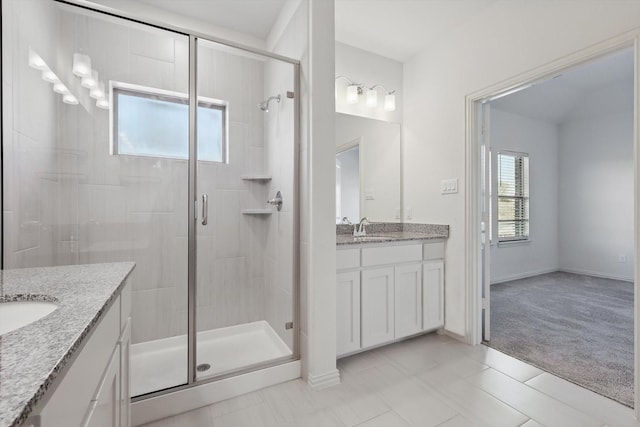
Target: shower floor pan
{"x": 160, "y": 364}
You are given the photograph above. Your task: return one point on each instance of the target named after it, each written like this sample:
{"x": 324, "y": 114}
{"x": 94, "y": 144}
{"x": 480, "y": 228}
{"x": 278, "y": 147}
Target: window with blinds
{"x": 513, "y": 196}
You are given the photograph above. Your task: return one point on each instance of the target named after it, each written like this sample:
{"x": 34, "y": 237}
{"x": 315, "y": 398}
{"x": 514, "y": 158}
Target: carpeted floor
{"x": 577, "y": 327}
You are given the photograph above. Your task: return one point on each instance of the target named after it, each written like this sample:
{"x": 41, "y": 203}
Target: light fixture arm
{"x": 389, "y": 92}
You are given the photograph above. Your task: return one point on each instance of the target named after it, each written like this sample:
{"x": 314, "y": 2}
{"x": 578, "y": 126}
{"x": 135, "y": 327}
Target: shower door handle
{"x": 205, "y": 209}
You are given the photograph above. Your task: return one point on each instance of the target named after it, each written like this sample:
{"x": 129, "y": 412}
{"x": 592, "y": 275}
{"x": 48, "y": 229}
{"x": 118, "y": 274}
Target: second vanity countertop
{"x": 386, "y": 232}
{"x": 34, "y": 355}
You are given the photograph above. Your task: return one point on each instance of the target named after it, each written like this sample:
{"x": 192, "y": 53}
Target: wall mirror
{"x": 367, "y": 169}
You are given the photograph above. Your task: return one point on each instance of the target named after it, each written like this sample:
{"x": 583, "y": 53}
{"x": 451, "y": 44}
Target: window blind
{"x": 513, "y": 196}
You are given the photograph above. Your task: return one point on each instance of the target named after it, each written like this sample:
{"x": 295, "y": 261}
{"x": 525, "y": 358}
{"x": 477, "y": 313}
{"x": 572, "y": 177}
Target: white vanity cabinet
{"x": 388, "y": 292}
{"x": 94, "y": 390}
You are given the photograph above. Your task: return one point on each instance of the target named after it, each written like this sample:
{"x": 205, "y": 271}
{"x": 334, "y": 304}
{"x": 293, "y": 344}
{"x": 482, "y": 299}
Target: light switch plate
{"x": 449, "y": 186}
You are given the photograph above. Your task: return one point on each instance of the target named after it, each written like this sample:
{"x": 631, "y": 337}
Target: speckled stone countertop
{"x": 31, "y": 357}
{"x": 385, "y": 232}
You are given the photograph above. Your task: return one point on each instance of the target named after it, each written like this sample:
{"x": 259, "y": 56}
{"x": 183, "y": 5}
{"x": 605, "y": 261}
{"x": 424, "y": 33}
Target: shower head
{"x": 264, "y": 105}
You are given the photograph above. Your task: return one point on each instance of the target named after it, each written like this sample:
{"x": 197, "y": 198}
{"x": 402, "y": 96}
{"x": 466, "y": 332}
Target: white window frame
{"x": 496, "y": 204}
{"x": 167, "y": 96}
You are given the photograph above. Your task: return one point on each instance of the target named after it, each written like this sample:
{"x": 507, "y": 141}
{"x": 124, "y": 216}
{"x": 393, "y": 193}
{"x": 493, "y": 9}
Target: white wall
{"x": 368, "y": 68}
{"x": 512, "y": 132}
{"x": 309, "y": 36}
{"x": 596, "y": 186}
{"x": 503, "y": 41}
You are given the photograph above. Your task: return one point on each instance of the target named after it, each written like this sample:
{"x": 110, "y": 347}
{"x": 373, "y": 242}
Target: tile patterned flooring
{"x": 428, "y": 381}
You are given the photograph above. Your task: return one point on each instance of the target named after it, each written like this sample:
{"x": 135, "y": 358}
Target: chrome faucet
{"x": 359, "y": 230}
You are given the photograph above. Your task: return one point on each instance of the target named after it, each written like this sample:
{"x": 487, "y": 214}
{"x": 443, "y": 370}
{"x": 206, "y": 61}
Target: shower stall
{"x": 124, "y": 141}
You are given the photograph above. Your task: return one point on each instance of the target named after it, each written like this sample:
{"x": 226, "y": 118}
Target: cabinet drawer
{"x": 391, "y": 255}
{"x": 433, "y": 250}
{"x": 347, "y": 258}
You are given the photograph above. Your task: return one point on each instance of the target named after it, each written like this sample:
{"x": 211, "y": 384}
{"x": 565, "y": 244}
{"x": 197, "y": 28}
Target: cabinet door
{"x": 348, "y": 312}
{"x": 125, "y": 379}
{"x": 408, "y": 300}
{"x": 377, "y": 306}
{"x": 105, "y": 409}
{"x": 433, "y": 295}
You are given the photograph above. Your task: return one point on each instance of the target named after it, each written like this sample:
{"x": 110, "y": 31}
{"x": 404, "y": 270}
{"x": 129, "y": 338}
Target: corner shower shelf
{"x": 263, "y": 178}
{"x": 256, "y": 211}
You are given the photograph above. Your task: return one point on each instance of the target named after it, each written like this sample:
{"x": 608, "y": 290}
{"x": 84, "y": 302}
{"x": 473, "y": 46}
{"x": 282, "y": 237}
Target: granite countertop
{"x": 386, "y": 232}
{"x": 31, "y": 357}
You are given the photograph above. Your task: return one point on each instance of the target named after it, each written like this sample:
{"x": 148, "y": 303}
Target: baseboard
{"x": 156, "y": 408}
{"x": 453, "y": 335}
{"x": 522, "y": 275}
{"x": 328, "y": 379}
{"x": 596, "y": 274}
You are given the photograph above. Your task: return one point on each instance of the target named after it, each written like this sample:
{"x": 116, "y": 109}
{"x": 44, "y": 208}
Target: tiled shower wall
{"x": 67, "y": 200}
{"x": 30, "y": 113}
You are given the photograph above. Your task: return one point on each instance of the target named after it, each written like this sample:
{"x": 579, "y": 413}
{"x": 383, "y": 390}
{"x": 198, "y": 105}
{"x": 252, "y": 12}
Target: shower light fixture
{"x": 35, "y": 61}
{"x": 90, "y": 81}
{"x": 354, "y": 90}
{"x": 81, "y": 65}
{"x": 98, "y": 91}
{"x": 70, "y": 99}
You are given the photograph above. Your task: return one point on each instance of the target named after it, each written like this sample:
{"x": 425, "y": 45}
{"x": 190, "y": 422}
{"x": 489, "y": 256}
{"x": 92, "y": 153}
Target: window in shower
{"x": 151, "y": 122}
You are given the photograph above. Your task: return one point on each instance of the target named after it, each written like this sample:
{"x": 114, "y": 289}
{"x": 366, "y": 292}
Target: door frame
{"x": 473, "y": 169}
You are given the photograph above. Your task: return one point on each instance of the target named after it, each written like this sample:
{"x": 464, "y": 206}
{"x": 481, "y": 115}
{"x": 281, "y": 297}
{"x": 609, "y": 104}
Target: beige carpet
{"x": 577, "y": 327}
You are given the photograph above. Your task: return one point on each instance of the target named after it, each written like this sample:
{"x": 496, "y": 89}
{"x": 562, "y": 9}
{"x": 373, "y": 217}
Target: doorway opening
{"x": 553, "y": 197}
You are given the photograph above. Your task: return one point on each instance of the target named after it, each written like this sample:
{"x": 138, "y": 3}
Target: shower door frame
{"x": 194, "y": 37}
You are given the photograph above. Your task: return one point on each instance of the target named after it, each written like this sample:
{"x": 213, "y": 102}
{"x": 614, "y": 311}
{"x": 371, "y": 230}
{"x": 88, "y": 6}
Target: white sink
{"x": 14, "y": 315}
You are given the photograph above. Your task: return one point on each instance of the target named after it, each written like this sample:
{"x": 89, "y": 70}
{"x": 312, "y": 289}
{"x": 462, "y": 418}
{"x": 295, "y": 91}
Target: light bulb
{"x": 98, "y": 91}
{"x": 49, "y": 76}
{"x": 390, "y": 102}
{"x": 91, "y": 80}
{"x": 372, "y": 98}
{"x": 60, "y": 88}
{"x": 35, "y": 61}
{"x": 352, "y": 94}
{"x": 102, "y": 103}
{"x": 69, "y": 99}
{"x": 81, "y": 65}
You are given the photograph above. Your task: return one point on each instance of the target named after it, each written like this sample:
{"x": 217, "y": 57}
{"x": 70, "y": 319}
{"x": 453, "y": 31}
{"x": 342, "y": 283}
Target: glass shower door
{"x": 95, "y": 143}
{"x": 245, "y": 247}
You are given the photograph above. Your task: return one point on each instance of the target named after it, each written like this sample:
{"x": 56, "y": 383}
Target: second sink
{"x": 15, "y": 315}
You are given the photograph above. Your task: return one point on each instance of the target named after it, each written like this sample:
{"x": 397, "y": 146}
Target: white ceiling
{"x": 252, "y": 17}
{"x": 399, "y": 29}
{"x": 555, "y": 100}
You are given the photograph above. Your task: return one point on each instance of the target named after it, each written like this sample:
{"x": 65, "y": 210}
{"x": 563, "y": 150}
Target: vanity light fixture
{"x": 81, "y": 65}
{"x": 91, "y": 80}
{"x": 49, "y": 76}
{"x": 372, "y": 98}
{"x": 98, "y": 91}
{"x": 35, "y": 61}
{"x": 354, "y": 90}
{"x": 69, "y": 99}
{"x": 60, "y": 88}
{"x": 102, "y": 103}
